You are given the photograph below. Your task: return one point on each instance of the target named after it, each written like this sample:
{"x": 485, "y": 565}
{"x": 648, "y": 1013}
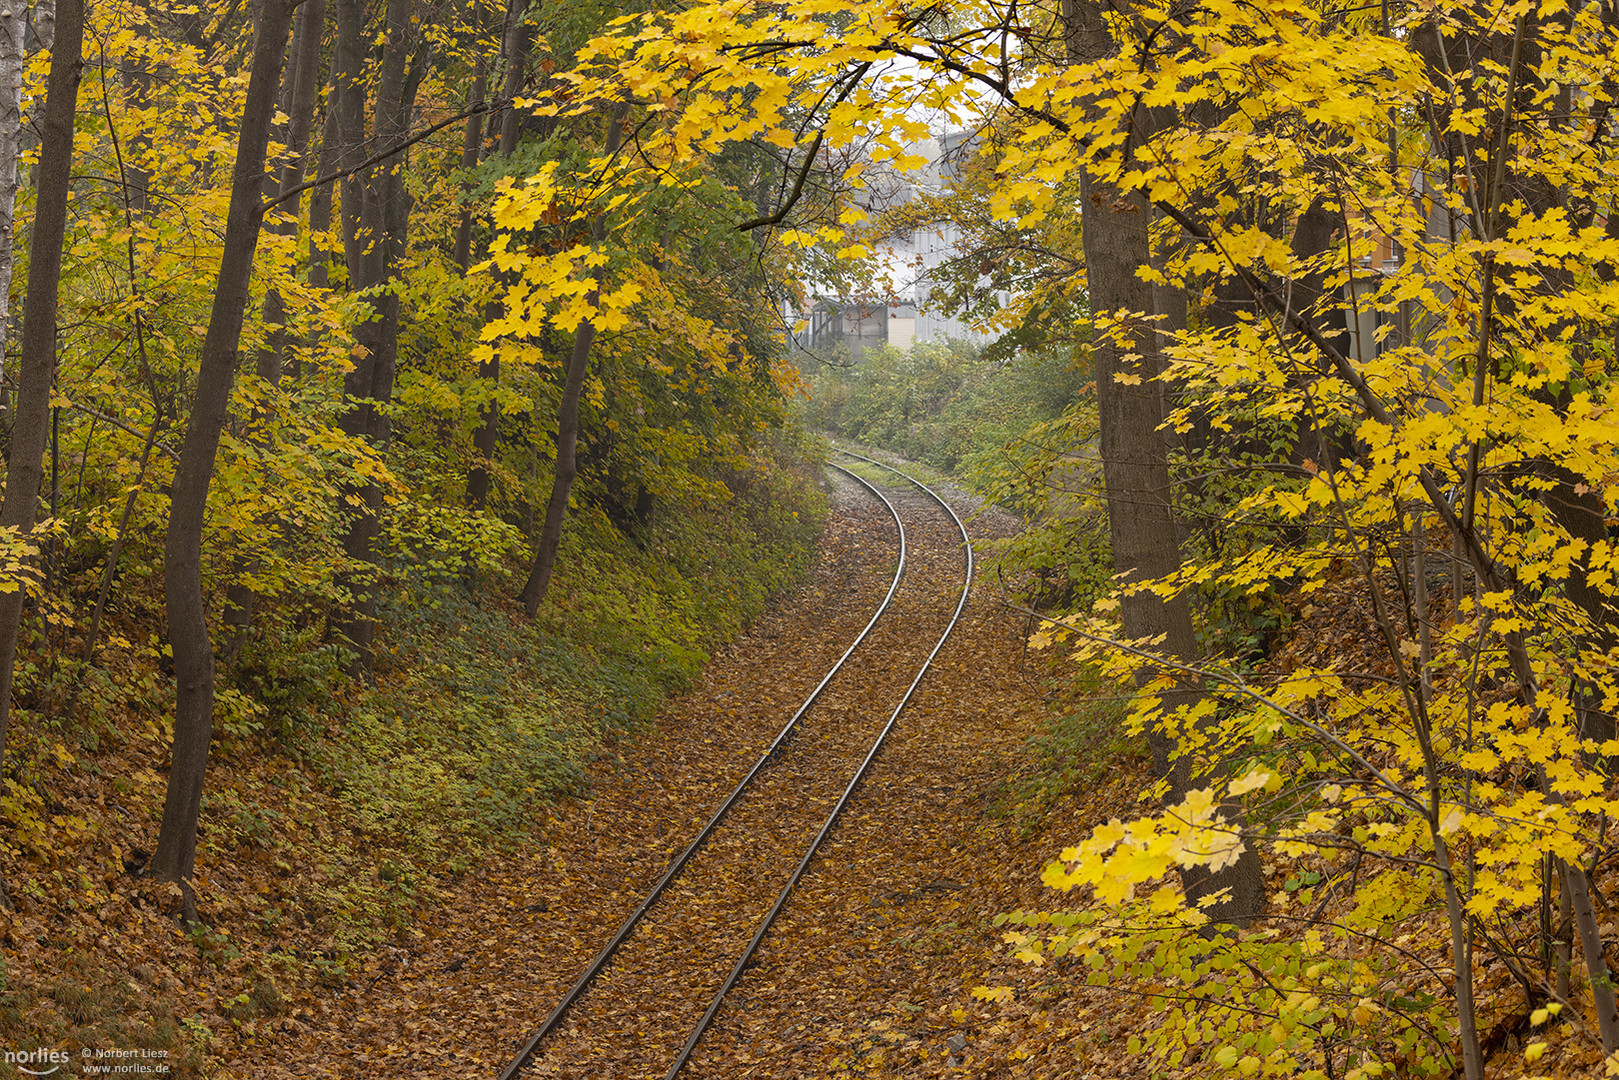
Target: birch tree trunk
{"x": 13, "y": 22}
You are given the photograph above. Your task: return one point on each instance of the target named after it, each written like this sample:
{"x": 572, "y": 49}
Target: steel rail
{"x": 606, "y": 954}
{"x": 848, "y": 792}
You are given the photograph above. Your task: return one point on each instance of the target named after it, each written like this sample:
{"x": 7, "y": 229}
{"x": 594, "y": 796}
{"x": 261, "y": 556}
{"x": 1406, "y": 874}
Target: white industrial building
{"x": 904, "y": 314}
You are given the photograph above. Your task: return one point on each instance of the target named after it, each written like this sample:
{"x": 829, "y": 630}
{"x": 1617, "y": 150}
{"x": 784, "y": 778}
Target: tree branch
{"x": 476, "y": 109}
{"x": 793, "y": 196}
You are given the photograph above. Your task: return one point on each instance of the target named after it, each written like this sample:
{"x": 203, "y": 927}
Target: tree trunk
{"x": 1135, "y": 466}
{"x": 556, "y": 510}
{"x": 182, "y": 551}
{"x": 471, "y": 144}
{"x": 471, "y": 148}
{"x": 299, "y": 89}
{"x": 539, "y": 576}
{"x": 514, "y": 48}
{"x": 299, "y": 83}
{"x": 485, "y": 439}
{"x": 38, "y": 360}
{"x": 42, "y": 26}
{"x": 13, "y": 23}
{"x": 376, "y": 221}
{"x": 320, "y": 199}
{"x": 357, "y": 221}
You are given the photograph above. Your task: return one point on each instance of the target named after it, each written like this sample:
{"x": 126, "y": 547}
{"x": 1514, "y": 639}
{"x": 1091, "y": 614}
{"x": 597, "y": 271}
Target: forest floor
{"x": 870, "y": 969}
{"x": 869, "y": 972}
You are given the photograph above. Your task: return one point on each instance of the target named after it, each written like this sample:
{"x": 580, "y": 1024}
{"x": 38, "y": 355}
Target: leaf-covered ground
{"x": 870, "y": 967}
{"x": 869, "y": 972}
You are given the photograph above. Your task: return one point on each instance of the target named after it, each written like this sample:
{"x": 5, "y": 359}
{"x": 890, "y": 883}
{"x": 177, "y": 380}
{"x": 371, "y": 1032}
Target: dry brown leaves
{"x": 869, "y": 970}
{"x": 870, "y": 962}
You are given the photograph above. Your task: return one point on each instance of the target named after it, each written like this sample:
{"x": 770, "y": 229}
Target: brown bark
{"x": 1135, "y": 465}
{"x": 514, "y": 49}
{"x": 365, "y": 249}
{"x": 299, "y": 90}
{"x": 38, "y": 361}
{"x": 42, "y": 26}
{"x": 299, "y": 84}
{"x": 1496, "y": 192}
{"x": 471, "y": 145}
{"x": 320, "y": 199}
{"x": 567, "y": 466}
{"x": 471, "y": 149}
{"x": 515, "y": 46}
{"x": 137, "y": 80}
{"x": 175, "y": 856}
{"x": 376, "y": 220}
{"x": 117, "y": 548}
{"x": 485, "y": 439}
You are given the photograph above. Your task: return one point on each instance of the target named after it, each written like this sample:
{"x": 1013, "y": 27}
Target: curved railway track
{"x": 691, "y": 929}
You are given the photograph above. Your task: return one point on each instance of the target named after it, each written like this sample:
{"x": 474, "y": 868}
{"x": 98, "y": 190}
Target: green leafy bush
{"x": 940, "y": 401}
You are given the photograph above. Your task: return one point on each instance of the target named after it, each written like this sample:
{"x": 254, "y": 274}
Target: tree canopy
{"x": 1363, "y": 257}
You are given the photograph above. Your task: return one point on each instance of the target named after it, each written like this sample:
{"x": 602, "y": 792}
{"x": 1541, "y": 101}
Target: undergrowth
{"x": 1079, "y": 749}
{"x": 939, "y": 402}
{"x": 335, "y": 811}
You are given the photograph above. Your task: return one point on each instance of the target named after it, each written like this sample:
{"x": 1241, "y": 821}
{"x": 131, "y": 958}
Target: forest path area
{"x": 871, "y": 962}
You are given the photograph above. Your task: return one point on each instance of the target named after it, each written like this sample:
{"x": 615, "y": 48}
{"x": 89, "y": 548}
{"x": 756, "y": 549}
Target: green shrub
{"x": 479, "y": 716}
{"x": 940, "y": 402}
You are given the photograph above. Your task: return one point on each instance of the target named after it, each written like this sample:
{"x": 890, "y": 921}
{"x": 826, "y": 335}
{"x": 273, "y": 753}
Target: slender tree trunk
{"x": 42, "y": 23}
{"x": 300, "y": 87}
{"x": 13, "y": 23}
{"x": 136, "y": 78}
{"x": 299, "y": 83}
{"x": 556, "y": 510}
{"x": 320, "y": 199}
{"x": 1135, "y": 466}
{"x": 1577, "y": 887}
{"x": 175, "y": 857}
{"x": 357, "y": 221}
{"x": 514, "y": 48}
{"x": 117, "y": 548}
{"x": 31, "y": 427}
{"x": 348, "y": 133}
{"x": 471, "y": 144}
{"x": 471, "y": 148}
{"x": 376, "y": 221}
{"x": 484, "y": 441}
{"x": 539, "y": 576}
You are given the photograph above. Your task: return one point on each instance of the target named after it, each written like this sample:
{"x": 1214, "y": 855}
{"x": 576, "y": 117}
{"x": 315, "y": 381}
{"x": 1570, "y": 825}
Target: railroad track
{"x": 688, "y": 931}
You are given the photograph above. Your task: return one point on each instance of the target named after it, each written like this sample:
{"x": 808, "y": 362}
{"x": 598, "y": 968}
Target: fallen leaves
{"x": 870, "y": 971}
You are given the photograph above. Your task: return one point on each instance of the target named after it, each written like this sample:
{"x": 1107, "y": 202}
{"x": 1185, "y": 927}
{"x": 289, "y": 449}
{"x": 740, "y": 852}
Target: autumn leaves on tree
{"x": 1394, "y": 240}
{"x": 312, "y": 478}
{"x": 1350, "y": 272}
